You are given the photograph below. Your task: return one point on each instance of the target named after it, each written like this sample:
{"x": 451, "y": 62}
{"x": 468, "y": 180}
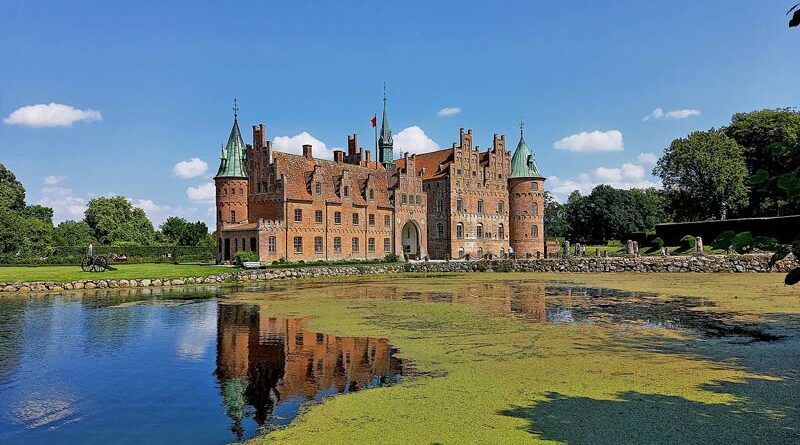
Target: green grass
{"x": 495, "y": 378}
{"x": 124, "y": 271}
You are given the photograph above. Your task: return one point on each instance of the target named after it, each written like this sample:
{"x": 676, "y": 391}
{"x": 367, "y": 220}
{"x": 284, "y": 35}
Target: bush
{"x": 658, "y": 242}
{"x": 782, "y": 228}
{"x": 687, "y": 243}
{"x": 71, "y": 255}
{"x": 391, "y": 258}
{"x": 245, "y": 257}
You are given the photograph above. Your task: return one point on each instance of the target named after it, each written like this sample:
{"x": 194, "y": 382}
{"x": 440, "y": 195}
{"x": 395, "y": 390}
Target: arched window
{"x": 440, "y": 231}
{"x": 371, "y": 193}
{"x": 479, "y": 232}
{"x": 501, "y": 207}
{"x": 459, "y": 205}
{"x": 501, "y": 232}
{"x": 535, "y": 231}
{"x": 534, "y": 185}
{"x": 461, "y": 252}
{"x": 460, "y": 231}
{"x": 224, "y": 192}
{"x": 534, "y": 209}
{"x": 233, "y": 216}
{"x": 480, "y": 206}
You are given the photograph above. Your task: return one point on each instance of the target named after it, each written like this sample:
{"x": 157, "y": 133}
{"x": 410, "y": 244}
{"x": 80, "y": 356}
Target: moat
{"x": 220, "y": 365}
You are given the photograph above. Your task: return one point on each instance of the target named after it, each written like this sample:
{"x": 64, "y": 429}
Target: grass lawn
{"x": 124, "y": 271}
{"x": 492, "y": 377}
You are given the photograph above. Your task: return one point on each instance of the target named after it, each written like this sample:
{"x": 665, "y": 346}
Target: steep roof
{"x": 231, "y": 163}
{"x": 431, "y": 163}
{"x": 523, "y": 164}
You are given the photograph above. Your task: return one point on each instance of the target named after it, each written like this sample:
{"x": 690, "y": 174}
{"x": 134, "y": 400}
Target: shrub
{"x": 782, "y": 228}
{"x": 658, "y": 242}
{"x": 391, "y": 258}
{"x": 687, "y": 243}
{"x": 245, "y": 257}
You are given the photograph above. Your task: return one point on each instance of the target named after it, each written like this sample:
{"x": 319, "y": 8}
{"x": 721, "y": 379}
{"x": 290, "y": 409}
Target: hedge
{"x": 118, "y": 254}
{"x": 783, "y": 228}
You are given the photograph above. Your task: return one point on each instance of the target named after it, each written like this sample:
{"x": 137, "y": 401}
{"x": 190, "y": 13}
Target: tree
{"x": 42, "y": 213}
{"x": 115, "y": 220}
{"x": 770, "y": 140}
{"x": 178, "y": 231}
{"x": 704, "y": 175}
{"x": 555, "y": 218}
{"x": 72, "y": 233}
{"x": 12, "y": 193}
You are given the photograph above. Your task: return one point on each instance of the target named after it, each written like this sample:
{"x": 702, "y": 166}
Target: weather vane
{"x": 521, "y": 126}
{"x": 235, "y": 108}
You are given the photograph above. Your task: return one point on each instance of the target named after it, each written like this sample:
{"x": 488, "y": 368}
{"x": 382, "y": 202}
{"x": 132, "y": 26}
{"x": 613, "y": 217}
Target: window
{"x": 233, "y": 215}
{"x": 346, "y": 191}
{"x": 371, "y": 194}
{"x": 458, "y": 172}
{"x": 440, "y": 231}
{"x": 298, "y": 215}
{"x": 480, "y": 206}
{"x": 535, "y": 231}
{"x": 461, "y": 252}
{"x": 534, "y": 209}
{"x": 371, "y": 245}
{"x": 337, "y": 245}
{"x": 460, "y": 205}
{"x": 241, "y": 191}
{"x": 474, "y": 173}
{"x": 479, "y": 231}
{"x": 271, "y": 244}
{"x": 355, "y": 245}
{"x": 318, "y": 188}
{"x": 419, "y": 200}
{"x": 258, "y": 187}
{"x": 264, "y": 187}
{"x": 298, "y": 244}
{"x": 224, "y": 192}
{"x": 355, "y": 219}
{"x": 534, "y": 185}
{"x": 317, "y": 244}
{"x": 371, "y": 219}
{"x": 404, "y": 199}
{"x": 501, "y": 232}
{"x": 501, "y": 207}
{"x": 460, "y": 231}
{"x": 337, "y": 217}
{"x": 318, "y": 216}
{"x": 387, "y": 220}
{"x": 439, "y": 206}
{"x": 387, "y": 245}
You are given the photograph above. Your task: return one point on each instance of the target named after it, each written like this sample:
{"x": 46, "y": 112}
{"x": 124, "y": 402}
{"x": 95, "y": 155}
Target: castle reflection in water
{"x": 269, "y": 367}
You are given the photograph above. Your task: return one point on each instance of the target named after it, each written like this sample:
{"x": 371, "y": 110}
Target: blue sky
{"x": 151, "y": 83}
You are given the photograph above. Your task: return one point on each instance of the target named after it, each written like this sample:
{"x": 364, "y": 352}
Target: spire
{"x": 232, "y": 162}
{"x": 385, "y": 142}
{"x": 523, "y": 164}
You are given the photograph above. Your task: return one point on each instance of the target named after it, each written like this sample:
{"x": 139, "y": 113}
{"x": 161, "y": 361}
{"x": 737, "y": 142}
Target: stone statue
{"x": 630, "y": 248}
{"x": 731, "y": 251}
{"x": 597, "y": 253}
{"x": 698, "y": 246}
{"x": 583, "y": 250}
{"x": 566, "y": 248}
{"x": 577, "y": 249}
{"x": 663, "y": 251}
{"x": 636, "y": 248}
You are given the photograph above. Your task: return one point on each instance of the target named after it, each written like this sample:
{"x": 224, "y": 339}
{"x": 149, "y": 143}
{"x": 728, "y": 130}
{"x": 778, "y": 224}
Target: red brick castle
{"x": 445, "y": 204}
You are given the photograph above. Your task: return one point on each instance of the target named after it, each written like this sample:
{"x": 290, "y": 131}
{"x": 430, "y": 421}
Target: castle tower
{"x": 526, "y": 203}
{"x": 385, "y": 143}
{"x": 231, "y": 185}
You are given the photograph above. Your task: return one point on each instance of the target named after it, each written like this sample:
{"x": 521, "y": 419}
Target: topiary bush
{"x": 245, "y": 257}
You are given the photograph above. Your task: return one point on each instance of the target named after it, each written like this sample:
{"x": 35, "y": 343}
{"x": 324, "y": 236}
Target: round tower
{"x": 526, "y": 204}
{"x": 231, "y": 190}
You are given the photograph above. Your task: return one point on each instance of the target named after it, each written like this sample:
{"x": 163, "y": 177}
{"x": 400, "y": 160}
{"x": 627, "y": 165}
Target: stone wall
{"x": 712, "y": 263}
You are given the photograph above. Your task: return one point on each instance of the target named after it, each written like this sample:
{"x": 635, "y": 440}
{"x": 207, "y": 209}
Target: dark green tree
{"x": 770, "y": 140}
{"x": 704, "y": 175}
{"x": 116, "y": 221}
{"x": 555, "y": 218}
{"x": 176, "y": 230}
{"x": 12, "y": 193}
{"x": 72, "y": 233}
{"x": 42, "y": 213}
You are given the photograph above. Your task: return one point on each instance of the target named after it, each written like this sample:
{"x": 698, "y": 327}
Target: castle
{"x": 448, "y": 204}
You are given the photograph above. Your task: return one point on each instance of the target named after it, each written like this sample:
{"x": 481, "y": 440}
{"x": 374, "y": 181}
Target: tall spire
{"x": 385, "y": 142}
{"x": 232, "y": 162}
{"x": 523, "y": 164}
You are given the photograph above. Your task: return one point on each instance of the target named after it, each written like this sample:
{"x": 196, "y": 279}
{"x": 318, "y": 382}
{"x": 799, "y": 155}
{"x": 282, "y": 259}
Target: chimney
{"x": 352, "y": 143}
{"x": 307, "y": 151}
{"x": 369, "y": 157}
{"x": 259, "y": 136}
{"x": 338, "y": 156}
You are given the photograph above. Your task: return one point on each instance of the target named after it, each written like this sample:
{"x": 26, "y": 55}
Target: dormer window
{"x": 371, "y": 194}
{"x": 318, "y": 188}
{"x": 346, "y": 191}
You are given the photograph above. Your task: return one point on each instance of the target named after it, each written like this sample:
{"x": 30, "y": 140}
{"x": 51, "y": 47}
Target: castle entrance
{"x": 410, "y": 239}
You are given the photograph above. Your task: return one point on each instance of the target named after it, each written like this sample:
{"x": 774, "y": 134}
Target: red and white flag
{"x": 374, "y": 121}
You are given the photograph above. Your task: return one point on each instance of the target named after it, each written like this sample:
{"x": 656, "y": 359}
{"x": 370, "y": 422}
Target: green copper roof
{"x": 231, "y": 164}
{"x": 523, "y": 165}
{"x": 386, "y": 132}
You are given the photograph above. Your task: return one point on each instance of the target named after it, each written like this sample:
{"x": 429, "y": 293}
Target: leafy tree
{"x": 704, "y": 175}
{"x": 72, "y": 233}
{"x": 14, "y": 243}
{"x": 770, "y": 140}
{"x": 12, "y": 193}
{"x": 555, "y": 218}
{"x": 115, "y": 220}
{"x": 183, "y": 233}
{"x": 42, "y": 213}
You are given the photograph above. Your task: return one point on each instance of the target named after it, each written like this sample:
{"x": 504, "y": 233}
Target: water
{"x": 197, "y": 371}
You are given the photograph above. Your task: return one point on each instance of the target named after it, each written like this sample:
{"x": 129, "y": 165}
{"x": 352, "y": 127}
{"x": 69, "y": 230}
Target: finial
{"x": 235, "y": 109}
{"x": 521, "y": 126}
{"x": 384, "y": 91}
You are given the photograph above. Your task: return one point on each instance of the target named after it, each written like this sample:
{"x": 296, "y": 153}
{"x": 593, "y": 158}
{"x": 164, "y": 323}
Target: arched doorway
{"x": 409, "y": 238}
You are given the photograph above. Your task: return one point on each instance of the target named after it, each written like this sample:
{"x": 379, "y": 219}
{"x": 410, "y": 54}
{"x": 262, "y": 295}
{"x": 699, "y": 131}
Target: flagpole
{"x": 375, "y": 129}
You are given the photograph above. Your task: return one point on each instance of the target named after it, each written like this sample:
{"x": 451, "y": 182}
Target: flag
{"x": 374, "y": 121}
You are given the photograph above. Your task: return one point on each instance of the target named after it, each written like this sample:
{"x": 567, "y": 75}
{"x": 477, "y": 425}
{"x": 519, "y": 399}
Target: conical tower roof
{"x": 523, "y": 164}
{"x": 231, "y": 164}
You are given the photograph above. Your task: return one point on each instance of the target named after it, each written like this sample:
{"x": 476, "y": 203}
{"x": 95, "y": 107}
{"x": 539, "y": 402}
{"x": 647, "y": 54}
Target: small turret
{"x": 526, "y": 202}
{"x": 232, "y": 185}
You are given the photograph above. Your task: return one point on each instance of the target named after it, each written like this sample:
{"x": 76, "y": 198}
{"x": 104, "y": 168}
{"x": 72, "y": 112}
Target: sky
{"x": 134, "y": 98}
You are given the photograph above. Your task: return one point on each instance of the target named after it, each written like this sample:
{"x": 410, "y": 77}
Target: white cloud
{"x": 628, "y": 176}
{"x": 156, "y": 212}
{"x": 51, "y": 115}
{"x": 202, "y": 193}
{"x": 683, "y": 113}
{"x": 294, "y": 144}
{"x": 647, "y": 158}
{"x": 585, "y": 142}
{"x": 53, "y": 180}
{"x": 63, "y": 201}
{"x": 414, "y": 140}
{"x": 190, "y": 169}
{"x": 449, "y": 111}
